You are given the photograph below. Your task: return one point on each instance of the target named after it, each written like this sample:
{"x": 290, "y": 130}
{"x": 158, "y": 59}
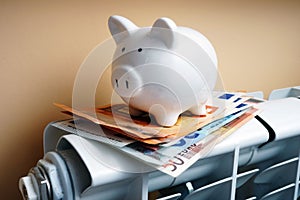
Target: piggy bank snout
{"x": 125, "y": 80}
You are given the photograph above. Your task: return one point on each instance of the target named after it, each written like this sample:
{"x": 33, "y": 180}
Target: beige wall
{"x": 42, "y": 44}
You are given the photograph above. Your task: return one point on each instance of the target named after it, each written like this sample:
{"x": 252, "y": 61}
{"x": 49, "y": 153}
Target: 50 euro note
{"x": 190, "y": 155}
{"x": 174, "y": 165}
{"x": 161, "y": 154}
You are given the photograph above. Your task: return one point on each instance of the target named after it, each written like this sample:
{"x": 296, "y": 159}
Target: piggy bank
{"x": 164, "y": 70}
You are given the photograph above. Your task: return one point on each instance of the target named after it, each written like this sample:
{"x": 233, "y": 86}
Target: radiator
{"x": 261, "y": 160}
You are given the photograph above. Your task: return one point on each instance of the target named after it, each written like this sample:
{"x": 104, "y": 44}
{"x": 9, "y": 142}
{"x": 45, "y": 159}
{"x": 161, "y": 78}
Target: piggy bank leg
{"x": 164, "y": 117}
{"x": 198, "y": 110}
{"x": 167, "y": 120}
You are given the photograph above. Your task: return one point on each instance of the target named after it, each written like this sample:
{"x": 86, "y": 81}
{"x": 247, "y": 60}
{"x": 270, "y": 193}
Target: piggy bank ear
{"x": 163, "y": 29}
{"x": 118, "y": 24}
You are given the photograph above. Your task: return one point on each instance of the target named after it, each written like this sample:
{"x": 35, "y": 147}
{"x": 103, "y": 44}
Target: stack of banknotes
{"x": 169, "y": 149}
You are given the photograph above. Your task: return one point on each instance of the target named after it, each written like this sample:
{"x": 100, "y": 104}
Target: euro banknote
{"x": 198, "y": 150}
{"x": 117, "y": 118}
{"x": 159, "y": 155}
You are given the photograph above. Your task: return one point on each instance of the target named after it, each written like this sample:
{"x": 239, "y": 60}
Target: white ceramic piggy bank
{"x": 164, "y": 70}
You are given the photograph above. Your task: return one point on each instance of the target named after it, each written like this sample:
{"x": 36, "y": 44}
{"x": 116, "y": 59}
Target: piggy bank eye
{"x": 123, "y": 49}
{"x": 140, "y": 50}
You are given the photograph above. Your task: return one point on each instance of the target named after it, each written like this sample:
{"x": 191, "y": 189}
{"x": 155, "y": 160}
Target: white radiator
{"x": 259, "y": 161}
